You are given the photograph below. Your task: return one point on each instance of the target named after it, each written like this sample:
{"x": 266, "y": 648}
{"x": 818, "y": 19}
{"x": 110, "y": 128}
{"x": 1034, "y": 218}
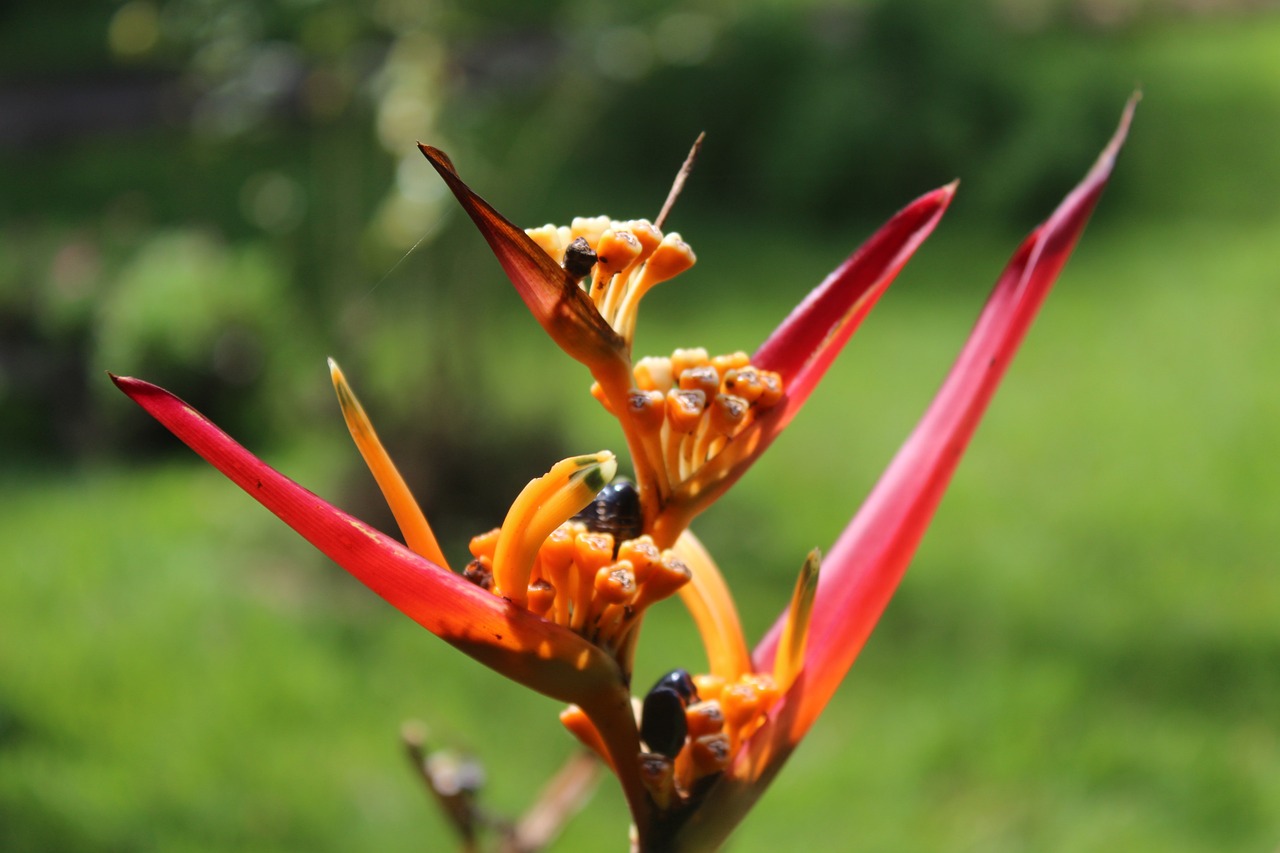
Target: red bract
{"x": 506, "y": 638}
{"x": 862, "y": 570}
{"x": 551, "y": 294}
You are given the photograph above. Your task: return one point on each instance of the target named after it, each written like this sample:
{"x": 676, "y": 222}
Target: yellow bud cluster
{"x": 690, "y": 408}
{"x": 745, "y": 702}
{"x": 584, "y": 580}
{"x": 618, "y": 262}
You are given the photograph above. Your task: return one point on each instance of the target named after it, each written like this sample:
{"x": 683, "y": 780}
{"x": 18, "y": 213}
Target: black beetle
{"x": 579, "y": 258}
{"x": 663, "y": 726}
{"x": 616, "y": 511}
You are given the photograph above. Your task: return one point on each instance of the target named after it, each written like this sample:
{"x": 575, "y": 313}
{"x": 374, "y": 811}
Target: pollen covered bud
{"x": 672, "y": 257}
{"x": 665, "y": 578}
{"x": 642, "y": 554}
{"x": 704, "y": 718}
{"x": 684, "y": 409}
{"x": 710, "y": 754}
{"x": 745, "y": 704}
{"x": 616, "y": 251}
{"x": 657, "y": 774}
{"x": 541, "y": 596}
{"x": 703, "y": 378}
{"x": 647, "y": 409}
{"x": 744, "y": 382}
{"x": 615, "y": 584}
{"x": 648, "y": 234}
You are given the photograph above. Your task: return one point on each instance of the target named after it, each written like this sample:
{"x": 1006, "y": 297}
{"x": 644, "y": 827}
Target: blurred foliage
{"x": 282, "y": 133}
{"x": 216, "y": 194}
{"x": 1082, "y": 657}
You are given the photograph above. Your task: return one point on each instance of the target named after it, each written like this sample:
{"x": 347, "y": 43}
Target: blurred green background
{"x": 217, "y": 194}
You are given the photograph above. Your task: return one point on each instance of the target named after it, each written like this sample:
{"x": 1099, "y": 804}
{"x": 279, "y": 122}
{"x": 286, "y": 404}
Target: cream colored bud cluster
{"x": 618, "y": 262}
{"x": 583, "y": 580}
{"x": 691, "y": 408}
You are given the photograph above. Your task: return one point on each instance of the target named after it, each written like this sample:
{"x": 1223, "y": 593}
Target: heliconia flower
{"x": 693, "y": 423}
{"x": 554, "y": 597}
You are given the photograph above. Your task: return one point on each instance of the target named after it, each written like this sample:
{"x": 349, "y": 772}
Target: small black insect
{"x": 616, "y": 511}
{"x": 681, "y": 682}
{"x": 663, "y": 726}
{"x": 579, "y": 258}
